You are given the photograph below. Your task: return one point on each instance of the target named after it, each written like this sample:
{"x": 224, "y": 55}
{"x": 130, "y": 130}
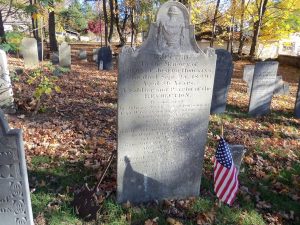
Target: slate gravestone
{"x": 297, "y": 103}
{"x": 262, "y": 88}
{"x": 237, "y": 152}
{"x": 224, "y": 70}
{"x": 164, "y": 96}
{"x": 248, "y": 75}
{"x": 104, "y": 60}
{"x": 6, "y": 92}
{"x": 55, "y": 58}
{"x": 15, "y": 204}
{"x": 30, "y": 53}
{"x": 82, "y": 55}
{"x": 95, "y": 54}
{"x": 281, "y": 87}
{"x": 40, "y": 52}
{"x": 65, "y": 55}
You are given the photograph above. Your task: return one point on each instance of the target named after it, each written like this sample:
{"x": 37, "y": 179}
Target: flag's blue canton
{"x": 223, "y": 154}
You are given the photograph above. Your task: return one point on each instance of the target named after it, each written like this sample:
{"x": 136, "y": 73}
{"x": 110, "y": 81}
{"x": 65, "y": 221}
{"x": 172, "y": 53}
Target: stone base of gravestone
{"x": 15, "y": 203}
{"x": 237, "y": 152}
{"x": 297, "y": 103}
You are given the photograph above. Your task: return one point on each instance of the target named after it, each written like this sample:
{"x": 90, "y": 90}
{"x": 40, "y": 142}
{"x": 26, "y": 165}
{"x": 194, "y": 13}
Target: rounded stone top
{"x": 173, "y": 9}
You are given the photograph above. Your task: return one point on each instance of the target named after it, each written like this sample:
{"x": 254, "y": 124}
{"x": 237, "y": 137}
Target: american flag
{"x": 225, "y": 174}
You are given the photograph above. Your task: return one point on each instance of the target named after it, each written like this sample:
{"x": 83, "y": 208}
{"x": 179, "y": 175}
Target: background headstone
{"x": 15, "y": 204}
{"x": 82, "y": 55}
{"x": 224, "y": 70}
{"x": 164, "y": 96}
{"x": 237, "y": 152}
{"x": 55, "y": 58}
{"x": 30, "y": 53}
{"x": 65, "y": 55}
{"x": 281, "y": 87}
{"x": 104, "y": 60}
{"x": 95, "y": 54}
{"x": 6, "y": 92}
{"x": 39, "y": 46}
{"x": 262, "y": 88}
{"x": 297, "y": 103}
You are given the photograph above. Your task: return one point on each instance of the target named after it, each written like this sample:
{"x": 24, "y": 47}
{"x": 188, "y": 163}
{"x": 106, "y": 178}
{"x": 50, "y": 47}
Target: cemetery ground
{"x": 70, "y": 140}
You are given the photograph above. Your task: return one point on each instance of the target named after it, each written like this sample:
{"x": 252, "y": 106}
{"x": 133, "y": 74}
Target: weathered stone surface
{"x": 262, "y": 88}
{"x": 30, "y": 53}
{"x": 281, "y": 87}
{"x": 82, "y": 55}
{"x": 15, "y": 204}
{"x": 6, "y": 92}
{"x": 164, "y": 96}
{"x": 104, "y": 58}
{"x": 248, "y": 76}
{"x": 237, "y": 152}
{"x": 55, "y": 58}
{"x": 224, "y": 70}
{"x": 95, "y": 54}
{"x": 65, "y": 55}
{"x": 297, "y": 103}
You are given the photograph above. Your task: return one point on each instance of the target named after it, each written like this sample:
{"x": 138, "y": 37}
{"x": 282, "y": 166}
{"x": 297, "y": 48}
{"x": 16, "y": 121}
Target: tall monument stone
{"x": 164, "y": 97}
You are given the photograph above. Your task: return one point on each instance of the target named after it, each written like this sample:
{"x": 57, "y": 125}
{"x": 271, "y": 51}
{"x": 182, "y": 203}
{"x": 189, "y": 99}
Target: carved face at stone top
{"x": 171, "y": 31}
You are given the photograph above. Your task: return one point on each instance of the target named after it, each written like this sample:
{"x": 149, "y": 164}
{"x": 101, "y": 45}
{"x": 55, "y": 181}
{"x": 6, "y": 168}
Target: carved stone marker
{"x": 95, "y": 54}
{"x": 6, "y": 93}
{"x": 237, "y": 152}
{"x": 224, "y": 70}
{"x": 297, "y": 103}
{"x": 262, "y": 88}
{"x": 281, "y": 87}
{"x": 248, "y": 76}
{"x": 65, "y": 55}
{"x": 82, "y": 55}
{"x": 55, "y": 58}
{"x": 30, "y": 53}
{"x": 104, "y": 60}
{"x": 164, "y": 96}
{"x": 15, "y": 204}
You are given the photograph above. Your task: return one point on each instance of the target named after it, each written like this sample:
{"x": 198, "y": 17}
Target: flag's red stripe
{"x": 230, "y": 190}
{"x": 234, "y": 192}
{"x": 222, "y": 178}
{"x": 228, "y": 184}
{"x": 217, "y": 170}
{"x": 220, "y": 175}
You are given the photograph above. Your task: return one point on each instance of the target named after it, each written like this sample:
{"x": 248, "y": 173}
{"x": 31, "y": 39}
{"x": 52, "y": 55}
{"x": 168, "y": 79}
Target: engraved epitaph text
{"x": 164, "y": 97}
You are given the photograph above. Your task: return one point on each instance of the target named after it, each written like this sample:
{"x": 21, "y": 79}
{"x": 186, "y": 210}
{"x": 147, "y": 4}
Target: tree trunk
{"x": 214, "y": 24}
{"x": 132, "y": 27}
{"x": 257, "y": 26}
{"x": 52, "y": 37}
{"x": 105, "y": 22}
{"x": 112, "y": 18}
{"x": 2, "y": 31}
{"x": 241, "y": 38}
{"x": 120, "y": 30}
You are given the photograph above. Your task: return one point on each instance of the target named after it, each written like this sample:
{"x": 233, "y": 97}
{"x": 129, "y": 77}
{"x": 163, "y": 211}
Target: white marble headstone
{"x": 29, "y": 51}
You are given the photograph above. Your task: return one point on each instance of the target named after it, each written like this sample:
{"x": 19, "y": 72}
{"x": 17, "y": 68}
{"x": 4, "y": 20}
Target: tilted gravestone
{"x": 297, "y": 103}
{"x": 262, "y": 88}
{"x": 15, "y": 204}
{"x": 224, "y": 70}
{"x": 164, "y": 96}
{"x": 6, "y": 92}
{"x": 104, "y": 60}
{"x": 30, "y": 53}
{"x": 82, "y": 55}
{"x": 281, "y": 87}
{"x": 65, "y": 55}
{"x": 237, "y": 152}
{"x": 95, "y": 54}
